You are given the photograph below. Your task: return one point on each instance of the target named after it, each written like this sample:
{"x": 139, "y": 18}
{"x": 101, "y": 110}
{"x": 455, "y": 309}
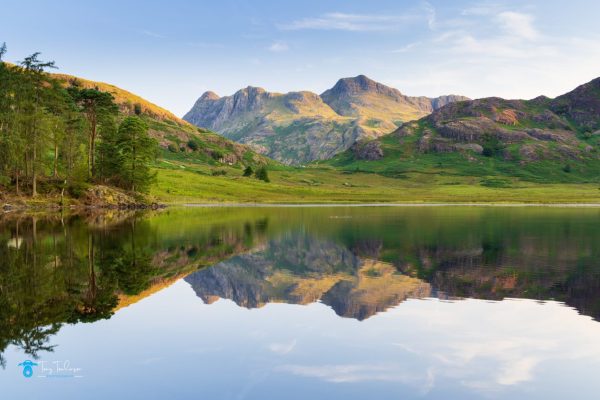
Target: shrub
{"x": 192, "y": 145}
{"x": 248, "y": 171}
{"x": 492, "y": 146}
{"x": 567, "y": 168}
{"x": 262, "y": 174}
{"x": 495, "y": 183}
{"x": 216, "y": 154}
{"x": 172, "y": 148}
{"x": 77, "y": 189}
{"x": 218, "y": 172}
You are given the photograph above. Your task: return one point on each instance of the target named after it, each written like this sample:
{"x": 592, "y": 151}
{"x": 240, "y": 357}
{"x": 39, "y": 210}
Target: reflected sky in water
{"x": 383, "y": 304}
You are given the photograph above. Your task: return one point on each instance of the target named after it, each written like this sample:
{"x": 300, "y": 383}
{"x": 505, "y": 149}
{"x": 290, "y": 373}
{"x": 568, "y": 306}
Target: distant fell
{"x": 299, "y": 127}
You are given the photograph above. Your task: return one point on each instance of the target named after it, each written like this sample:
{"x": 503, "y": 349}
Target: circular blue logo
{"x": 28, "y": 368}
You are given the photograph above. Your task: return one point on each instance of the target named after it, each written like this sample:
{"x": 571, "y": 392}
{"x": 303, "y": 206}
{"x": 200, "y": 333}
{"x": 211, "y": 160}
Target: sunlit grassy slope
{"x": 179, "y": 182}
{"x": 198, "y": 166}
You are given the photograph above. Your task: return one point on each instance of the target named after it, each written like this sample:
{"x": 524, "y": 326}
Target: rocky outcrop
{"x": 538, "y": 129}
{"x": 299, "y": 127}
{"x": 582, "y": 105}
{"x": 348, "y": 92}
{"x": 107, "y": 197}
{"x": 370, "y": 150}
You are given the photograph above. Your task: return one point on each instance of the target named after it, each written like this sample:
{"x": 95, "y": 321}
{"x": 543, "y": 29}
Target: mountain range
{"x": 543, "y": 140}
{"x": 299, "y": 127}
{"x": 491, "y": 140}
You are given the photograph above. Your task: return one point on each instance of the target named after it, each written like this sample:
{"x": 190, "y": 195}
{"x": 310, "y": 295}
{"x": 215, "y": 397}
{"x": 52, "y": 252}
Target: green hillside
{"x": 495, "y": 142}
{"x": 177, "y": 139}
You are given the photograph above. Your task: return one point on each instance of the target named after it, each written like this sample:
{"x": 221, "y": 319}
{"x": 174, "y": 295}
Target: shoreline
{"x": 309, "y": 205}
{"x": 55, "y": 208}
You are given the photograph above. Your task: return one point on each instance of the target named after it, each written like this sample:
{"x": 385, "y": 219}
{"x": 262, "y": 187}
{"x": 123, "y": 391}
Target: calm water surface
{"x": 302, "y": 303}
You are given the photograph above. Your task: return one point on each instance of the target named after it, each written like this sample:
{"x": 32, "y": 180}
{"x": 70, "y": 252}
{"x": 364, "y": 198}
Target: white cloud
{"x": 352, "y": 22}
{"x": 482, "y": 9}
{"x": 495, "y": 51}
{"x": 346, "y": 373}
{"x": 282, "y": 348}
{"x": 518, "y": 24}
{"x": 152, "y": 34}
{"x": 431, "y": 17}
{"x": 206, "y": 45}
{"x": 406, "y": 48}
{"x": 278, "y": 47}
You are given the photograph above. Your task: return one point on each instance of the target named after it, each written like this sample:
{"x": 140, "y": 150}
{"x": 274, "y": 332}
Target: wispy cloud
{"x": 206, "y": 45}
{"x": 152, "y": 34}
{"x": 352, "y": 22}
{"x": 518, "y": 24}
{"x": 513, "y": 36}
{"x": 509, "y": 50}
{"x": 282, "y": 348}
{"x": 431, "y": 15}
{"x": 406, "y": 48}
{"x": 482, "y": 9}
{"x": 354, "y": 372}
{"x": 278, "y": 46}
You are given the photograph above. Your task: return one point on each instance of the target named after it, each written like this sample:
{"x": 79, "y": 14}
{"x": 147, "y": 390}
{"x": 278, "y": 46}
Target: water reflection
{"x": 359, "y": 262}
{"x": 301, "y": 269}
{"x": 57, "y": 270}
{"x": 364, "y": 266}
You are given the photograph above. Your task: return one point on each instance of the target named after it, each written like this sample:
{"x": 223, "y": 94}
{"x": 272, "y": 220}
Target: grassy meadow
{"x": 180, "y": 182}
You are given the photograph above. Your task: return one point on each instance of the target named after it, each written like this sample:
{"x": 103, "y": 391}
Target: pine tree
{"x": 137, "y": 150}
{"x": 99, "y": 108}
{"x": 32, "y": 91}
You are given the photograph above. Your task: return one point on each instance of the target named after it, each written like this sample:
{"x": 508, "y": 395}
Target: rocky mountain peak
{"x": 357, "y": 85}
{"x": 581, "y": 105}
{"x": 251, "y": 91}
{"x": 302, "y": 126}
{"x": 209, "y": 96}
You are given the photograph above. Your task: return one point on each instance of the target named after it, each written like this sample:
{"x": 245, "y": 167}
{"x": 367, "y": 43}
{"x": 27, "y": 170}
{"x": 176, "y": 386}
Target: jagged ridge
{"x": 298, "y": 127}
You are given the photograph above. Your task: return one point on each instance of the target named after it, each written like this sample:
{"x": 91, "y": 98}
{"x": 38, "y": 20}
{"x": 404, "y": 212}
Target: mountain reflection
{"x": 359, "y": 271}
{"x": 57, "y": 270}
{"x": 300, "y": 269}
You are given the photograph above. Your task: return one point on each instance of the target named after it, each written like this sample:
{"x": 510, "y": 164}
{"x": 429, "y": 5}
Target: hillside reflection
{"x": 301, "y": 269}
{"x": 359, "y": 261}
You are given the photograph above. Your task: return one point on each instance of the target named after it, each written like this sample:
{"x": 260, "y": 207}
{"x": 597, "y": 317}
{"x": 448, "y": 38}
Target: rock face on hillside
{"x": 360, "y": 95}
{"x": 299, "y": 127}
{"x": 581, "y": 105}
{"x": 370, "y": 150}
{"x": 562, "y": 129}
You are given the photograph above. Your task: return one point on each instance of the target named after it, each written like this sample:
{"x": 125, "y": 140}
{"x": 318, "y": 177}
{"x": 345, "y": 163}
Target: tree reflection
{"x": 56, "y": 270}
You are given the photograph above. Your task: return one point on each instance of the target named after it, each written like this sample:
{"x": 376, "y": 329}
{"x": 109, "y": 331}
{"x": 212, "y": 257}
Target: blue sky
{"x": 170, "y": 52}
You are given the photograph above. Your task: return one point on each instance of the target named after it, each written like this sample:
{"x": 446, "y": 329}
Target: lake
{"x": 302, "y": 303}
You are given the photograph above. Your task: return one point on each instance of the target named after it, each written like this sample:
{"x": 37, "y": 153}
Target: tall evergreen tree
{"x": 137, "y": 151}
{"x": 99, "y": 108}
{"x": 32, "y": 92}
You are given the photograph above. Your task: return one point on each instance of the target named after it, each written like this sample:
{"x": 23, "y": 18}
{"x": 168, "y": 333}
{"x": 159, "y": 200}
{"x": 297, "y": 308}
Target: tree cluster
{"x": 57, "y": 135}
{"x": 261, "y": 173}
